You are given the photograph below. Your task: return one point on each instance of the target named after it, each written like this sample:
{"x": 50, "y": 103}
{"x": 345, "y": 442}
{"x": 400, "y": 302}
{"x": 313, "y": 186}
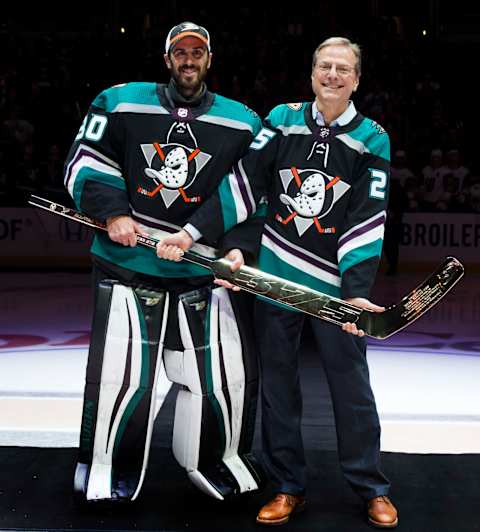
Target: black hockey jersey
{"x": 139, "y": 153}
{"x": 327, "y": 196}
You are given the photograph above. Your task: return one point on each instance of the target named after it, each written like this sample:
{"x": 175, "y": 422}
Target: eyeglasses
{"x": 341, "y": 70}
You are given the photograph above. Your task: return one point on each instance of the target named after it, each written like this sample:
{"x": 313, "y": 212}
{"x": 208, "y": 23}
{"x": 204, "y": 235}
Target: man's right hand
{"x": 123, "y": 229}
{"x": 172, "y": 246}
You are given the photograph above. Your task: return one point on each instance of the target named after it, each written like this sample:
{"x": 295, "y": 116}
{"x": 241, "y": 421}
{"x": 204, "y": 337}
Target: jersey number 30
{"x": 92, "y": 127}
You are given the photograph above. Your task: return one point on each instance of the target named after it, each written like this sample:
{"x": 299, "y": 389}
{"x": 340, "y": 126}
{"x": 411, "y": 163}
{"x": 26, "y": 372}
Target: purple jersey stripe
{"x": 362, "y": 230}
{"x": 299, "y": 254}
{"x": 80, "y": 153}
{"x": 243, "y": 189}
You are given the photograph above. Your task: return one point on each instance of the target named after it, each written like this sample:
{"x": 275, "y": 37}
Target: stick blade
{"x": 415, "y": 304}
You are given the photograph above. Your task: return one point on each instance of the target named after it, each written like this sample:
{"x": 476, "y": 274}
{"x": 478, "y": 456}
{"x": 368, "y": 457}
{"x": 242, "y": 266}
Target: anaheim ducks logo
{"x": 173, "y": 166}
{"x": 309, "y": 196}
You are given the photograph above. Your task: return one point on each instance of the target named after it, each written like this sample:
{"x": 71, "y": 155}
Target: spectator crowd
{"x": 48, "y": 79}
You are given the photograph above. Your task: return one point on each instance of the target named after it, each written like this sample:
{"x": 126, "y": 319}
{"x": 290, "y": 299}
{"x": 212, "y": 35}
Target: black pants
{"x": 343, "y": 357}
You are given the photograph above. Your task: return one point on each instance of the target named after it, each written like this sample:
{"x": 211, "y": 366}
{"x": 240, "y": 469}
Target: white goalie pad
{"x": 129, "y": 374}
{"x": 211, "y": 369}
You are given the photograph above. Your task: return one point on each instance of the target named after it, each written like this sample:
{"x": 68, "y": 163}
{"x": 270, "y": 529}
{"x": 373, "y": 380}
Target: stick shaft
{"x": 299, "y": 297}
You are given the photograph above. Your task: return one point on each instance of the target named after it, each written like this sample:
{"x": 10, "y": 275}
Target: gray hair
{"x": 341, "y": 41}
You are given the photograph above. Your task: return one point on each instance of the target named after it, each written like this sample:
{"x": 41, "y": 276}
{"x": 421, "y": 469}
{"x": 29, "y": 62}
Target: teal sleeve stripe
{"x": 227, "y": 201}
{"x": 357, "y": 255}
{"x": 380, "y": 146}
{"x": 94, "y": 175}
{"x": 270, "y": 263}
{"x": 227, "y": 108}
{"x": 283, "y": 115}
{"x": 257, "y": 126}
{"x": 136, "y": 92}
{"x": 377, "y": 143}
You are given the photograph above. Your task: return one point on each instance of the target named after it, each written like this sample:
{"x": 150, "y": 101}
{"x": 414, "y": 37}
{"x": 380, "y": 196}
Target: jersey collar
{"x": 346, "y": 117}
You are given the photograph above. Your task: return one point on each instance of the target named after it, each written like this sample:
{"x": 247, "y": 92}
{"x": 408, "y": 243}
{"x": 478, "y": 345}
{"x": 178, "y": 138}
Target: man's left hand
{"x": 363, "y": 303}
{"x": 172, "y": 246}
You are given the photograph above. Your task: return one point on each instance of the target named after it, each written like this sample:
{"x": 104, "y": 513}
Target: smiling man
{"x": 324, "y": 168}
{"x": 335, "y": 75}
{"x": 188, "y": 56}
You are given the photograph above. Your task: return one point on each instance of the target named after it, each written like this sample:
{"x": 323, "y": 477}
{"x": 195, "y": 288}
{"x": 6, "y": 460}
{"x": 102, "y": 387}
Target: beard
{"x": 189, "y": 79}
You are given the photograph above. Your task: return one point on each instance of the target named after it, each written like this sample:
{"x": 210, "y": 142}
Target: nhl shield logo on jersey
{"x": 309, "y": 196}
{"x": 174, "y": 165}
{"x": 183, "y": 113}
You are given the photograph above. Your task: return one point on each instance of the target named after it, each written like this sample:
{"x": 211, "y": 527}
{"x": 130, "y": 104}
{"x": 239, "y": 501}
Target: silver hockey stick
{"x": 378, "y": 325}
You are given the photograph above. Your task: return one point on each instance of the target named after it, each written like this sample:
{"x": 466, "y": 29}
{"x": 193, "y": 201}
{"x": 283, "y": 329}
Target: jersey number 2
{"x": 378, "y": 183}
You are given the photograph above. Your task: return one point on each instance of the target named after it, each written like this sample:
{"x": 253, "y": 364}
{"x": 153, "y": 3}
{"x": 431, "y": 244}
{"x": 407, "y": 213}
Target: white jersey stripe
{"x": 240, "y": 207}
{"x": 227, "y": 122}
{"x": 140, "y": 108}
{"x": 299, "y": 263}
{"x": 361, "y": 240}
{"x": 89, "y": 162}
{"x": 294, "y": 130}
{"x": 352, "y": 143}
{"x": 363, "y": 224}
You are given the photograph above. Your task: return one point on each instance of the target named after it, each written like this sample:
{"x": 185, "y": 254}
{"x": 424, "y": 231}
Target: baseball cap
{"x": 186, "y": 29}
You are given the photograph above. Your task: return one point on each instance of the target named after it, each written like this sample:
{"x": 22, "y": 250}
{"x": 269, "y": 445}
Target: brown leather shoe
{"x": 279, "y": 510}
{"x": 382, "y": 513}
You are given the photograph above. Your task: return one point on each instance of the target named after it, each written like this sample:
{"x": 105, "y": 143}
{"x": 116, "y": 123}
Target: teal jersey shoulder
{"x": 373, "y": 137}
{"x": 287, "y": 115}
{"x": 142, "y": 93}
{"x": 237, "y": 112}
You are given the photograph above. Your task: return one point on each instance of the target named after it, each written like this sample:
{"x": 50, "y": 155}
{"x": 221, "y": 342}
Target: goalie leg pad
{"x": 124, "y": 362}
{"x": 215, "y": 412}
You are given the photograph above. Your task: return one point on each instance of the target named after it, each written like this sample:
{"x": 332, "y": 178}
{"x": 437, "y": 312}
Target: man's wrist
{"x": 114, "y": 217}
{"x": 193, "y": 232}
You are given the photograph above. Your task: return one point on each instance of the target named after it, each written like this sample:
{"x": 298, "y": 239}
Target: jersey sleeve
{"x": 241, "y": 191}
{"x": 246, "y": 235}
{"x": 93, "y": 169}
{"x": 360, "y": 244}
